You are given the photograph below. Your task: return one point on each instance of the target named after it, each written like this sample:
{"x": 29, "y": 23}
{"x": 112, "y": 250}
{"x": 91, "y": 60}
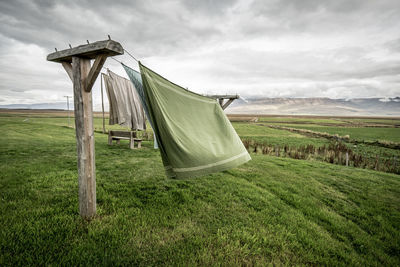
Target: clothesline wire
{"x": 134, "y": 58}
{"x": 116, "y": 60}
{"x": 131, "y": 55}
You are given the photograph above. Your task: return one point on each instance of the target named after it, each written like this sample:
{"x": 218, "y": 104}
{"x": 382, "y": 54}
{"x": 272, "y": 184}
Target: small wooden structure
{"x": 221, "y": 98}
{"x": 124, "y": 135}
{"x": 77, "y": 63}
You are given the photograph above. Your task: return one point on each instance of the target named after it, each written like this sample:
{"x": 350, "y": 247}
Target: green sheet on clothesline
{"x": 194, "y": 135}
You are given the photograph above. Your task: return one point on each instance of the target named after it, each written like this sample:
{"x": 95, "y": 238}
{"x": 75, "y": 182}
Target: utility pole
{"x": 67, "y": 96}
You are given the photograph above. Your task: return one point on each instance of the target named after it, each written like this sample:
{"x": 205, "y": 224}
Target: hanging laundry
{"x": 125, "y": 104}
{"x": 194, "y": 135}
{"x": 137, "y": 82}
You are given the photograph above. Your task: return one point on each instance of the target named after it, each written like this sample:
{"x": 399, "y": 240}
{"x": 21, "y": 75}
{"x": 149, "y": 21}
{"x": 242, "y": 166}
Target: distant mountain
{"x": 57, "y": 105}
{"x": 318, "y": 106}
{"x": 283, "y": 106}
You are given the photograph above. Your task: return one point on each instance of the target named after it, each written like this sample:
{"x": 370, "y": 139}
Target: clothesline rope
{"x": 116, "y": 60}
{"x": 131, "y": 55}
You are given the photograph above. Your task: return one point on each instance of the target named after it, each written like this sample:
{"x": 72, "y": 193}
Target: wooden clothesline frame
{"x": 77, "y": 63}
{"x": 221, "y": 99}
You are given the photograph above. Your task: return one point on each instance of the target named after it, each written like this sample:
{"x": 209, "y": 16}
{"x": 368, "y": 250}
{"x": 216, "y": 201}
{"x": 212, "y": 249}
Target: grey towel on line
{"x": 125, "y": 107}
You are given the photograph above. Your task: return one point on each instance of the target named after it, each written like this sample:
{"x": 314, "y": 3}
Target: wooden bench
{"x": 124, "y": 135}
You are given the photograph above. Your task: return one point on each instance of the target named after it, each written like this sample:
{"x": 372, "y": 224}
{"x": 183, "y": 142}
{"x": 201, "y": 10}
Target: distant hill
{"x": 318, "y": 106}
{"x": 282, "y": 106}
{"x": 56, "y": 105}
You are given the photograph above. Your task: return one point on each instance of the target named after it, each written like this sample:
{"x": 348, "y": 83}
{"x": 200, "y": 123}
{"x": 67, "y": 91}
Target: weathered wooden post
{"x": 83, "y": 76}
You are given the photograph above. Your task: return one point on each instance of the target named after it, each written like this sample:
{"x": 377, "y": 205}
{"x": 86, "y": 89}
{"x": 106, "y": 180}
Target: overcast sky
{"x": 282, "y": 48}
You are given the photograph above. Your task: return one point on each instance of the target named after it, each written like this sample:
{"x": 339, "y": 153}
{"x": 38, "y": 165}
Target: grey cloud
{"x": 309, "y": 6}
{"x": 329, "y": 48}
{"x": 353, "y": 64}
{"x": 209, "y": 6}
{"x": 291, "y": 16}
{"x": 393, "y": 45}
{"x": 157, "y": 30}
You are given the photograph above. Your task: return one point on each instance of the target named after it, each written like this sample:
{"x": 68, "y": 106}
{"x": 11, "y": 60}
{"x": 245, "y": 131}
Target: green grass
{"x": 305, "y": 120}
{"x": 357, "y": 133}
{"x": 268, "y": 211}
{"x": 264, "y": 134}
{"x": 60, "y": 121}
{"x": 327, "y": 121}
{"x": 387, "y": 121}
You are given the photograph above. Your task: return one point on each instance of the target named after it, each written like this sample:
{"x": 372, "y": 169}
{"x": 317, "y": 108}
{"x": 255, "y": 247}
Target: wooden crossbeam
{"x": 227, "y": 103}
{"x": 94, "y": 71}
{"x": 89, "y": 51}
{"x": 68, "y": 68}
{"x": 224, "y": 96}
{"x": 221, "y": 99}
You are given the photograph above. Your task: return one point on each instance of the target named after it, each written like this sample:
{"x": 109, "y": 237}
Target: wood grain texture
{"x": 102, "y": 103}
{"x": 223, "y": 96}
{"x": 89, "y": 51}
{"x": 227, "y": 103}
{"x": 126, "y": 134}
{"x": 84, "y": 138}
{"x": 131, "y": 142}
{"x": 94, "y": 71}
{"x": 109, "y": 138}
{"x": 221, "y": 99}
{"x": 68, "y": 68}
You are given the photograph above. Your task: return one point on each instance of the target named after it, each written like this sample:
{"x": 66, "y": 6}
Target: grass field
{"x": 357, "y": 133}
{"x": 271, "y": 210}
{"x": 261, "y": 133}
{"x": 264, "y": 134}
{"x": 300, "y": 120}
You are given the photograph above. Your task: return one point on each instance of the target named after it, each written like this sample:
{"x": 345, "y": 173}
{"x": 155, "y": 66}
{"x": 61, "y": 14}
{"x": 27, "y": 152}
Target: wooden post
{"x": 102, "y": 103}
{"x": 347, "y": 158}
{"x": 110, "y": 138}
{"x": 83, "y": 77}
{"x": 131, "y": 140}
{"x": 84, "y": 137}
